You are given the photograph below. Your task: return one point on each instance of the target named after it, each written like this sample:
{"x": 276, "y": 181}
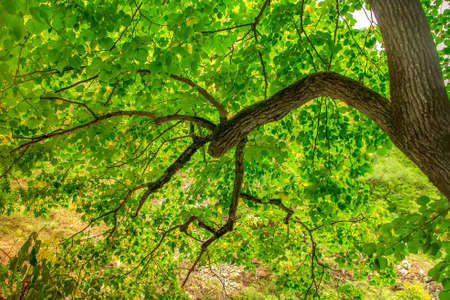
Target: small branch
{"x": 302, "y": 30}
{"x": 263, "y": 66}
{"x": 255, "y": 22}
{"x": 157, "y": 120}
{"x": 405, "y": 237}
{"x": 200, "y": 121}
{"x": 72, "y": 102}
{"x": 14, "y": 162}
{"x": 339, "y": 221}
{"x": 335, "y": 34}
{"x": 264, "y": 73}
{"x": 126, "y": 28}
{"x": 277, "y": 202}
{"x": 228, "y": 226}
{"x": 46, "y": 71}
{"x": 218, "y": 276}
{"x": 202, "y": 224}
{"x": 313, "y": 259}
{"x": 261, "y": 60}
{"x": 213, "y": 101}
{"x": 137, "y": 155}
{"x": 149, "y": 256}
{"x": 261, "y": 11}
{"x": 19, "y": 57}
{"x": 76, "y": 84}
{"x": 85, "y": 125}
{"x": 317, "y": 133}
{"x": 203, "y": 249}
{"x": 171, "y": 170}
{"x": 238, "y": 179}
{"x": 114, "y": 211}
{"x": 226, "y": 29}
{"x": 111, "y": 94}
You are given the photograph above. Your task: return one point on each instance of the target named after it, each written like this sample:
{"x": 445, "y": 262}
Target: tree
{"x": 129, "y": 112}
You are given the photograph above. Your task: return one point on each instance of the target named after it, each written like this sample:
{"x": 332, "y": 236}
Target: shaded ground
{"x": 15, "y": 229}
{"x": 232, "y": 282}
{"x": 225, "y": 281}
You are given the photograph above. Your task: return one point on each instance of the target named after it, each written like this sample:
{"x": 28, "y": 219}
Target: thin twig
{"x": 111, "y": 94}
{"x": 126, "y": 28}
{"x": 72, "y": 102}
{"x": 15, "y": 162}
{"x": 226, "y": 29}
{"x": 171, "y": 170}
{"x": 335, "y": 34}
{"x": 75, "y": 84}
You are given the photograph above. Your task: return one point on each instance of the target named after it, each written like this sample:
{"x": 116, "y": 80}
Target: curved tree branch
{"x": 158, "y": 120}
{"x": 71, "y": 102}
{"x": 277, "y": 202}
{"x": 228, "y": 226}
{"x": 324, "y": 84}
{"x": 75, "y": 84}
{"x": 199, "y": 121}
{"x": 213, "y": 101}
{"x": 171, "y": 170}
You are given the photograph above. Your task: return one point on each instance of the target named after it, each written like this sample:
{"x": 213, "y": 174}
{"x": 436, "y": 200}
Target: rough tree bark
{"x": 419, "y": 99}
{"x": 417, "y": 116}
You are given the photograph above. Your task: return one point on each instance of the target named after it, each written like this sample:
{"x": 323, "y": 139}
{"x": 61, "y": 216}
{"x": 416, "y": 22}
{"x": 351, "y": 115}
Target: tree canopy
{"x": 224, "y": 131}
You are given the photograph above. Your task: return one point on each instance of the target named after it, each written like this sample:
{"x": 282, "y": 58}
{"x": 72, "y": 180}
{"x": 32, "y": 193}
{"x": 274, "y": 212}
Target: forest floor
{"x": 225, "y": 281}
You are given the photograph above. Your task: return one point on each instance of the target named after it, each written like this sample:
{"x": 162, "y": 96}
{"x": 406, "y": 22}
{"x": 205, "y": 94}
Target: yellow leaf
{"x": 308, "y": 8}
{"x": 7, "y": 138}
{"x": 188, "y": 22}
{"x": 284, "y": 197}
{"x": 189, "y": 48}
{"x": 110, "y": 145}
{"x": 127, "y": 181}
{"x": 77, "y": 293}
{"x": 72, "y": 205}
{"x": 39, "y": 185}
{"x": 59, "y": 101}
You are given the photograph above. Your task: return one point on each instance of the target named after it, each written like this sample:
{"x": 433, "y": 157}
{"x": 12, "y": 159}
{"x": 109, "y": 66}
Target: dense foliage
{"x": 107, "y": 108}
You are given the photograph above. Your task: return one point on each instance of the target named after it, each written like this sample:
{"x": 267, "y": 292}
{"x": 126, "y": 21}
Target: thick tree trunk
{"x": 417, "y": 117}
{"x": 418, "y": 96}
